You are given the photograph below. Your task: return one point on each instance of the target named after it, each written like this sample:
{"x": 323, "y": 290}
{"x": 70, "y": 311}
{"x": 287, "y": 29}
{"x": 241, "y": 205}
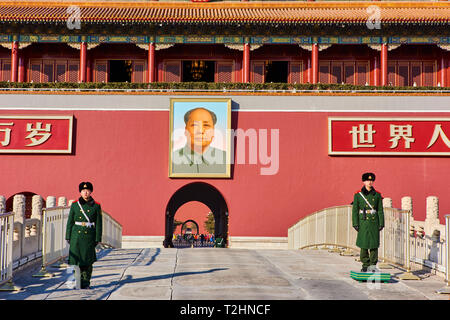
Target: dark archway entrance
{"x": 28, "y": 203}
{"x": 202, "y": 192}
{"x": 187, "y": 221}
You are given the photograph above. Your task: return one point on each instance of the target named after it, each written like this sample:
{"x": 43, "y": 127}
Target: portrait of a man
{"x": 200, "y": 142}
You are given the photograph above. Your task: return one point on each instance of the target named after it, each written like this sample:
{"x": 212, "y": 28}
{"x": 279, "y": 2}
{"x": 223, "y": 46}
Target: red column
{"x": 14, "y": 60}
{"x": 443, "y": 71}
{"x": 447, "y": 69}
{"x": 314, "y": 62}
{"x": 384, "y": 64}
{"x": 309, "y": 69}
{"x": 246, "y": 63}
{"x": 376, "y": 71}
{"x": 89, "y": 69}
{"x": 151, "y": 63}
{"x": 21, "y": 69}
{"x": 83, "y": 58}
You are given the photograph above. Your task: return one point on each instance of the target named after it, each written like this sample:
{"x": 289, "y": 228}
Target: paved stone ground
{"x": 223, "y": 274}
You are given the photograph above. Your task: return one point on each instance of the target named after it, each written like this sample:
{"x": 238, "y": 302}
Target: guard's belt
{"x": 85, "y": 224}
{"x": 368, "y": 211}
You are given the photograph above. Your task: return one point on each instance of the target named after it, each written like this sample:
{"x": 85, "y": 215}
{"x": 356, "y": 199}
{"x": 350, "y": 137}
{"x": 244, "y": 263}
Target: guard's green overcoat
{"x": 84, "y": 239}
{"x": 368, "y": 229}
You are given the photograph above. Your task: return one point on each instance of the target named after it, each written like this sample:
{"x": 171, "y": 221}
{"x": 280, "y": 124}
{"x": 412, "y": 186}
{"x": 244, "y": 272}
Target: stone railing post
{"x": 62, "y": 202}
{"x": 407, "y": 204}
{"x": 19, "y": 221}
{"x": 51, "y": 202}
{"x": 387, "y": 203}
{"x": 432, "y": 219}
{"x": 36, "y": 207}
{"x": 36, "y": 213}
{"x": 19, "y": 208}
{"x": 2, "y": 204}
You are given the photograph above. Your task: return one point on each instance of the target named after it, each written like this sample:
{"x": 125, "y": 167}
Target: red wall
{"x": 125, "y": 155}
{"x": 193, "y": 210}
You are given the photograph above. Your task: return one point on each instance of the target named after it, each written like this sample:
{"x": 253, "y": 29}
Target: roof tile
{"x": 270, "y": 12}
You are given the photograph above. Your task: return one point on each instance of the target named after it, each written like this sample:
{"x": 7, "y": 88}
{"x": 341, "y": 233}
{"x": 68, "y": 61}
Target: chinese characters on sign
{"x": 389, "y": 136}
{"x": 36, "y": 134}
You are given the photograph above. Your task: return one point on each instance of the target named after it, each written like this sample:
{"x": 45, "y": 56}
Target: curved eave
{"x": 230, "y": 21}
{"x": 298, "y": 12}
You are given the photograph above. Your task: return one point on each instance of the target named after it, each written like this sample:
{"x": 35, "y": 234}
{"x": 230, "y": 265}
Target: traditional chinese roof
{"x": 291, "y": 12}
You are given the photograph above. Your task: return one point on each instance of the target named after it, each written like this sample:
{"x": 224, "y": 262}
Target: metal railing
{"x": 54, "y": 245}
{"x": 333, "y": 227}
{"x": 328, "y": 227}
{"x": 398, "y": 243}
{"x": 446, "y": 288}
{"x": 112, "y": 231}
{"x": 429, "y": 252}
{"x": 6, "y": 250}
{"x": 447, "y": 249}
{"x": 394, "y": 237}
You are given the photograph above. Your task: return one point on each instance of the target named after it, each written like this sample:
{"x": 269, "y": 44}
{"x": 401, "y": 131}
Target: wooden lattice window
{"x": 403, "y": 74}
{"x": 61, "y": 71}
{"x": 406, "y": 73}
{"x": 416, "y": 73}
{"x": 428, "y": 74}
{"x": 5, "y": 70}
{"x": 74, "y": 70}
{"x": 324, "y": 72}
{"x": 362, "y": 74}
{"x": 48, "y": 71}
{"x": 349, "y": 72}
{"x": 51, "y": 70}
{"x": 138, "y": 71}
{"x": 101, "y": 71}
{"x": 35, "y": 71}
{"x": 391, "y": 73}
{"x": 295, "y": 72}
{"x": 172, "y": 71}
{"x": 224, "y": 72}
{"x": 258, "y": 72}
{"x": 336, "y": 73}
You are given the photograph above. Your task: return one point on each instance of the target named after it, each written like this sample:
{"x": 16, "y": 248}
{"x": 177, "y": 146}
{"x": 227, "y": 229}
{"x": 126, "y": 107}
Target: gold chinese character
{"x": 7, "y": 132}
{"x": 398, "y": 132}
{"x": 362, "y": 137}
{"x": 438, "y": 132}
{"x": 44, "y": 133}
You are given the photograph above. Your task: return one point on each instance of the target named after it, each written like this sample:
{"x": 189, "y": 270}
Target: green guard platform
{"x": 370, "y": 276}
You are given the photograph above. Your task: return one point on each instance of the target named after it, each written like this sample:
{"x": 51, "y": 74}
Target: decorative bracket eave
{"x": 233, "y": 42}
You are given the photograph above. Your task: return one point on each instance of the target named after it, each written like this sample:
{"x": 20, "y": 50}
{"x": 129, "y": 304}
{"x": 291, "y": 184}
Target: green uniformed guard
{"x": 84, "y": 232}
{"x": 368, "y": 220}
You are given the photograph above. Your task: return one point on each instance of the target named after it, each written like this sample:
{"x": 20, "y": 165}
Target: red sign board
{"x": 36, "y": 134}
{"x": 389, "y": 136}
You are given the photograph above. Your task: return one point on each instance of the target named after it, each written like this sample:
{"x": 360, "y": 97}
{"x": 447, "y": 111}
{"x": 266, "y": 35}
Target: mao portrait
{"x": 200, "y": 138}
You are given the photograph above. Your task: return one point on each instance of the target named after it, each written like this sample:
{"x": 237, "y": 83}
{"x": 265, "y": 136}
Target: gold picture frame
{"x": 69, "y": 141}
{"x": 374, "y": 119}
{"x": 212, "y": 155}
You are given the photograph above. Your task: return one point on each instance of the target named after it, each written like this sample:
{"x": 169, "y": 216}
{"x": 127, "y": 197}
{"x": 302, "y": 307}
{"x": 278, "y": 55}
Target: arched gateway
{"x": 202, "y": 192}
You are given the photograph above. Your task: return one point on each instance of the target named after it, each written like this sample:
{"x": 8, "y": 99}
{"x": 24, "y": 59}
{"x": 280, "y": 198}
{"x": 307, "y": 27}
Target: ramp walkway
{"x": 223, "y": 274}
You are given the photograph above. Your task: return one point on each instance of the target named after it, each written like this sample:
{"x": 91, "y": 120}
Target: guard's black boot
{"x": 364, "y": 269}
{"x": 373, "y": 268}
